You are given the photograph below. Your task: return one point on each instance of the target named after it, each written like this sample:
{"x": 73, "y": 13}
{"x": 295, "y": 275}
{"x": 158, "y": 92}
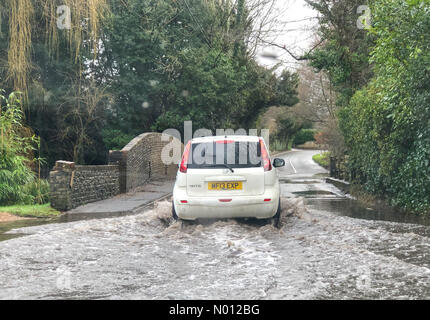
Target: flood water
{"x": 7, "y": 226}
{"x": 327, "y": 246}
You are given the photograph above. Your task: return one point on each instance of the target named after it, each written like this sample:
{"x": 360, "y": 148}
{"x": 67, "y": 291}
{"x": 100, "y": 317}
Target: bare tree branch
{"x": 295, "y": 57}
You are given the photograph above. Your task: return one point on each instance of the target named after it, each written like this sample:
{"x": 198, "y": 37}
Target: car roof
{"x": 231, "y": 137}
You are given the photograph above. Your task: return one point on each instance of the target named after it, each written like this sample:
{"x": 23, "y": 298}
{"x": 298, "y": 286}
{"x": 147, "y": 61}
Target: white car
{"x": 227, "y": 177}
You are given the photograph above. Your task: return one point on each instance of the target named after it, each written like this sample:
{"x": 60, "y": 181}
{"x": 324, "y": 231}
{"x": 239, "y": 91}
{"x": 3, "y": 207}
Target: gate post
{"x": 60, "y": 184}
{"x": 332, "y": 166}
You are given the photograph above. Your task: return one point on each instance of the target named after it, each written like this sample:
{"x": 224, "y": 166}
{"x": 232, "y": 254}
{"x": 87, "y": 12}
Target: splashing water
{"x": 313, "y": 254}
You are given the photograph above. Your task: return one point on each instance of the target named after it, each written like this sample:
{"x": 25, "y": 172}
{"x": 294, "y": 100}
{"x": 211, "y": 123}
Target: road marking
{"x": 295, "y": 171}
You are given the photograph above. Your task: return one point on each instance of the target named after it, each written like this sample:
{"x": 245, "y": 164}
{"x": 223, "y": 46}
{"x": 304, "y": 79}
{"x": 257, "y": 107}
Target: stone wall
{"x": 93, "y": 183}
{"x": 138, "y": 162}
{"x": 142, "y": 159}
{"x": 72, "y": 185}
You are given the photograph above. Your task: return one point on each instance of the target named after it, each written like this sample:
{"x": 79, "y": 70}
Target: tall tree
{"x": 344, "y": 50}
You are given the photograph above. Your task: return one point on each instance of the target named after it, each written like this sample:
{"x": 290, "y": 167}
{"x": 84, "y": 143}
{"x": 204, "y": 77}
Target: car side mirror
{"x": 278, "y": 162}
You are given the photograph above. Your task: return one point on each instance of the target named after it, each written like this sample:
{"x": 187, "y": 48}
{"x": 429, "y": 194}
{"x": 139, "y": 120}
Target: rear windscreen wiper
{"x": 217, "y": 165}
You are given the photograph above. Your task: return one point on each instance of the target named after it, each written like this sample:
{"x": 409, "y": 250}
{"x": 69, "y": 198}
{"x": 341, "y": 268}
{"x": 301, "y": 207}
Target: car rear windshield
{"x": 218, "y": 154}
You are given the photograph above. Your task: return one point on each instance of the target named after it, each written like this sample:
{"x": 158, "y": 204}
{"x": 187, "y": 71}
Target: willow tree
{"x": 24, "y": 18}
{"x": 45, "y": 46}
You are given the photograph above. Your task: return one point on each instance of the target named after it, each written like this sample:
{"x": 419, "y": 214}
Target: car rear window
{"x": 236, "y": 154}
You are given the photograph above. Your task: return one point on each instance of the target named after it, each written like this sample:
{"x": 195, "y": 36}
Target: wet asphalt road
{"x": 327, "y": 247}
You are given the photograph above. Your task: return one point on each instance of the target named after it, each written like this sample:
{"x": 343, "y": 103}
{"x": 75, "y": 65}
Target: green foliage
{"x": 213, "y": 86}
{"x": 385, "y": 111}
{"x": 279, "y": 145}
{"x": 37, "y": 190}
{"x": 181, "y": 63}
{"x": 115, "y": 139}
{"x": 287, "y": 128}
{"x": 304, "y": 135}
{"x": 386, "y": 125}
{"x": 344, "y": 56}
{"x": 160, "y": 62}
{"x": 323, "y": 159}
{"x": 33, "y": 210}
{"x": 286, "y": 91}
{"x": 15, "y": 147}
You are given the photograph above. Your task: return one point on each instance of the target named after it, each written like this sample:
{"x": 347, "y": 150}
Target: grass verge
{"x": 323, "y": 159}
{"x": 33, "y": 210}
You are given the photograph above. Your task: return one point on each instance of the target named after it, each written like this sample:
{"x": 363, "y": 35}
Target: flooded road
{"x": 327, "y": 247}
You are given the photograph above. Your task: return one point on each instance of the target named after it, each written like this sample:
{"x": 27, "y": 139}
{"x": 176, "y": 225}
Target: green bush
{"x": 304, "y": 136}
{"x": 116, "y": 139}
{"x": 14, "y": 174}
{"x": 279, "y": 145}
{"x": 37, "y": 191}
{"x": 323, "y": 159}
{"x": 15, "y": 143}
{"x": 386, "y": 124}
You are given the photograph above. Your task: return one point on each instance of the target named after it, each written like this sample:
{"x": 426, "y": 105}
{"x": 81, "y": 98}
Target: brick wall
{"x": 140, "y": 161}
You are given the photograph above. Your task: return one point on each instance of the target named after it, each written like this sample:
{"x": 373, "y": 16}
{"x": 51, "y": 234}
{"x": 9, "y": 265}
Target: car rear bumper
{"x": 237, "y": 207}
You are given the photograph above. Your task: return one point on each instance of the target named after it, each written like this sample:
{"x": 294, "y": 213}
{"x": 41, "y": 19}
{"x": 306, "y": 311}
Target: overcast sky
{"x": 297, "y": 36}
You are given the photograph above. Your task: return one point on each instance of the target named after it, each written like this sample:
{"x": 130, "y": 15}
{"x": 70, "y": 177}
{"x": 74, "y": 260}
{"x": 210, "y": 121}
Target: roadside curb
{"x": 276, "y": 154}
{"x": 150, "y": 204}
{"x": 76, "y": 216}
{"x": 340, "y": 184}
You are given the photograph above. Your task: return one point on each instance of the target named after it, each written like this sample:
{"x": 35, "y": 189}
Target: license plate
{"x": 225, "y": 185}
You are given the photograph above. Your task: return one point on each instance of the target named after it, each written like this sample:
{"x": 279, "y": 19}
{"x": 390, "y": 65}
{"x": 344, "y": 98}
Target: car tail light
{"x": 225, "y": 200}
{"x": 183, "y": 166}
{"x": 184, "y": 201}
{"x": 224, "y": 141}
{"x": 265, "y": 156}
{"x": 267, "y": 200}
